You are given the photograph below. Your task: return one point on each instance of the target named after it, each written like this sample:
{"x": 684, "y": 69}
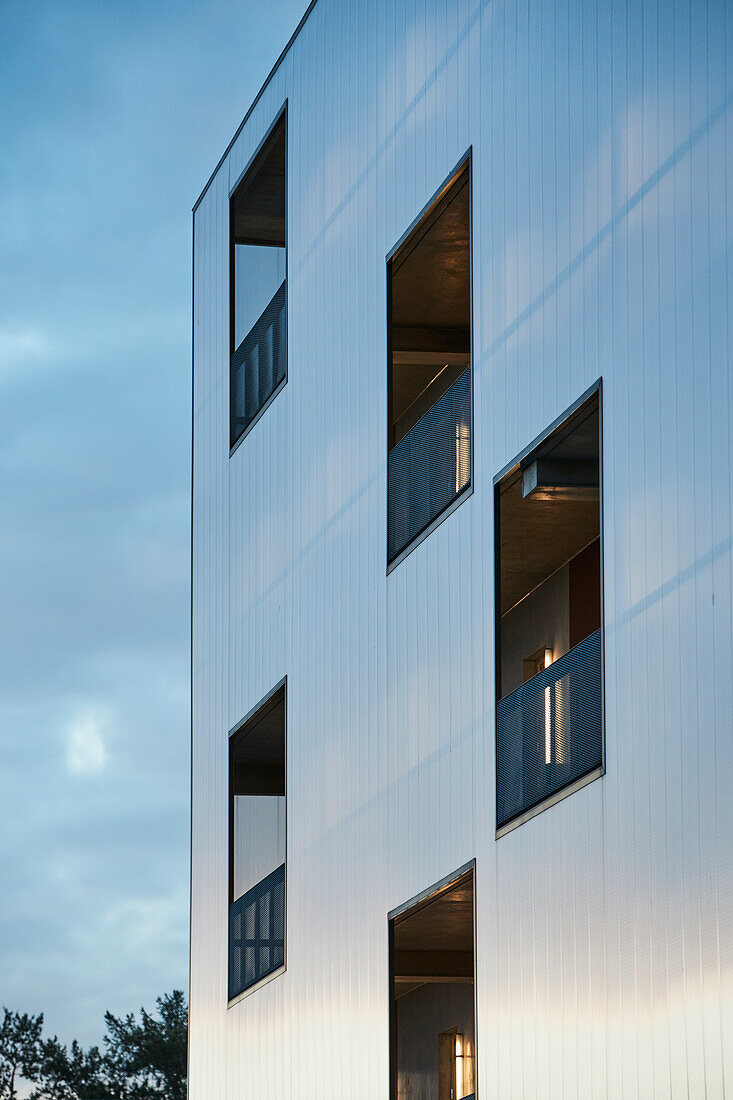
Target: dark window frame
{"x": 280, "y": 117}
{"x": 465, "y": 163}
{"x": 599, "y": 772}
{"x": 237, "y": 733}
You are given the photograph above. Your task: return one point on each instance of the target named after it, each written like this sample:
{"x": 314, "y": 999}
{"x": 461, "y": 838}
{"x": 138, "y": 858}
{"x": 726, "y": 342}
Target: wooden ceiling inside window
{"x": 430, "y": 307}
{"x": 539, "y": 536}
{"x": 258, "y": 204}
{"x": 434, "y": 942}
{"x": 431, "y": 278}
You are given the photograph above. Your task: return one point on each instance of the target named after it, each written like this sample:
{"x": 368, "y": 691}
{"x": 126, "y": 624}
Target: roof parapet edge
{"x": 255, "y": 101}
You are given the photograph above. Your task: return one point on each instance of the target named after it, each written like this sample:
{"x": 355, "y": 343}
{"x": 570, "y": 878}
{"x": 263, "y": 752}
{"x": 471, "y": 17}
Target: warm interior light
{"x": 459, "y": 1066}
{"x": 548, "y": 713}
{"x": 463, "y": 455}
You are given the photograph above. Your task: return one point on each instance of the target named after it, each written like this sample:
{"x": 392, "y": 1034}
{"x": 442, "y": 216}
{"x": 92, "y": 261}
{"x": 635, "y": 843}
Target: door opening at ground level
{"x": 432, "y": 1015}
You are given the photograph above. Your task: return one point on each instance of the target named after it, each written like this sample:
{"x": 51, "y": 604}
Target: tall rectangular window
{"x": 257, "y": 845}
{"x": 258, "y": 273}
{"x": 432, "y": 1008}
{"x": 549, "y": 710}
{"x": 429, "y": 387}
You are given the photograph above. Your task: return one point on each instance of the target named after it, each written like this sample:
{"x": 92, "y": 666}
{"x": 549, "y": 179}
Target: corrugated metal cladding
{"x": 602, "y": 138}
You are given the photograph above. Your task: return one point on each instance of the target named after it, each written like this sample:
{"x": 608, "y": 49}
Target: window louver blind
{"x": 258, "y": 365}
{"x": 430, "y": 465}
{"x": 257, "y": 932}
{"x": 549, "y": 732}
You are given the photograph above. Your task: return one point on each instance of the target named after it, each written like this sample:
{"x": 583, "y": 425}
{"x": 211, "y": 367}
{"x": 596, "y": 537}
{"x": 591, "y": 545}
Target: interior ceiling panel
{"x": 538, "y": 536}
{"x": 444, "y": 924}
{"x": 262, "y": 741}
{"x": 259, "y": 202}
{"x": 431, "y": 276}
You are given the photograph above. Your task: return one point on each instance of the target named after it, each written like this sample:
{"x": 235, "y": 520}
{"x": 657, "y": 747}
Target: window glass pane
{"x": 259, "y": 839}
{"x": 259, "y": 271}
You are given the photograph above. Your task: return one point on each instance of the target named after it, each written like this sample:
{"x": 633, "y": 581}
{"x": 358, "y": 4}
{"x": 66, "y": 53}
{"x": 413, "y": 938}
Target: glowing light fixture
{"x": 561, "y": 479}
{"x": 463, "y": 455}
{"x": 459, "y": 1066}
{"x": 548, "y": 712}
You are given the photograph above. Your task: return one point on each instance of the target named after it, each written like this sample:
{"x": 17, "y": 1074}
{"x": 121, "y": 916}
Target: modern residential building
{"x": 462, "y": 641}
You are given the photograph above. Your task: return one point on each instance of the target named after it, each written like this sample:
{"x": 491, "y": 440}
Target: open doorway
{"x": 432, "y": 1009}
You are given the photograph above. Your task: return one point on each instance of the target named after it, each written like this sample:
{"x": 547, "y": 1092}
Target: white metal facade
{"x": 602, "y": 157}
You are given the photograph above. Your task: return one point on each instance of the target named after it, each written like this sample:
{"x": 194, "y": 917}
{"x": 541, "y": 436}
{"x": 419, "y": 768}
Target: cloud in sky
{"x": 21, "y": 349}
{"x": 111, "y": 120}
{"x": 85, "y": 749}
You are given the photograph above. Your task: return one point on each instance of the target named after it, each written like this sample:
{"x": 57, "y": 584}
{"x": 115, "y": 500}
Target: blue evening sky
{"x": 113, "y": 113}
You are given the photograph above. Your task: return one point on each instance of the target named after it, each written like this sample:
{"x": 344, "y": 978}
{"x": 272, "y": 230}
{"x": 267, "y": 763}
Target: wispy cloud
{"x": 86, "y": 752}
{"x": 21, "y": 349}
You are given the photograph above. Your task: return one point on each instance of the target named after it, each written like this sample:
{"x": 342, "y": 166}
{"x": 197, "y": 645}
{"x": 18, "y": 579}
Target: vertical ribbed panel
{"x": 602, "y": 222}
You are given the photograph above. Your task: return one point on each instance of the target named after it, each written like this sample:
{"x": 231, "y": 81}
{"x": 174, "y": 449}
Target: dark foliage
{"x": 142, "y": 1060}
{"x": 20, "y": 1050}
{"x": 148, "y": 1059}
